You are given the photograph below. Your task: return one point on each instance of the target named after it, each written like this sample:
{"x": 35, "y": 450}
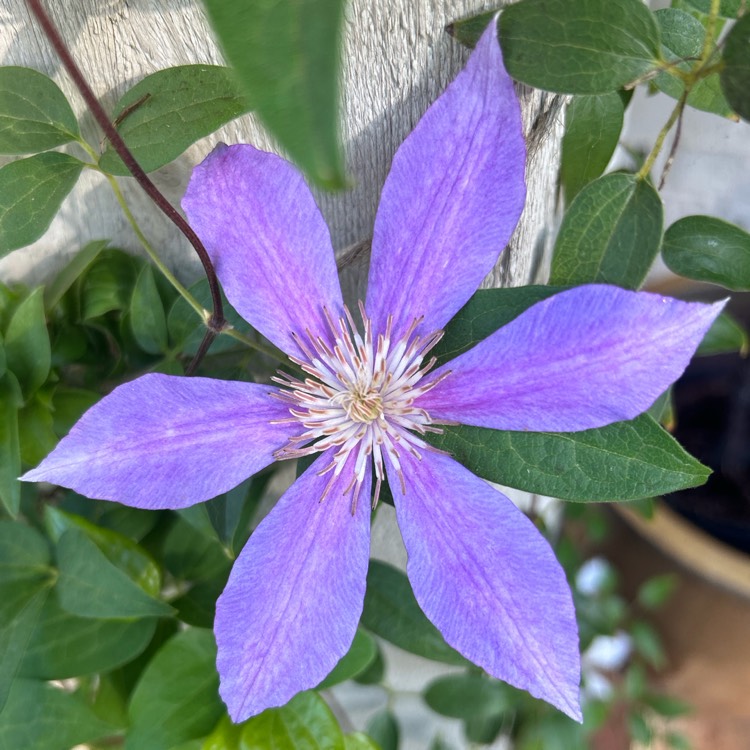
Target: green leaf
{"x": 383, "y": 728}
{"x": 374, "y": 672}
{"x": 75, "y": 268}
{"x": 622, "y": 461}
{"x": 648, "y": 644}
{"x": 170, "y": 110}
{"x": 359, "y": 741}
{"x": 197, "y": 606}
{"x": 666, "y": 705}
{"x": 31, "y": 191}
{"x": 359, "y": 657}
{"x": 34, "y": 113}
{"x": 682, "y": 37}
{"x": 392, "y": 612}
{"x": 485, "y": 312}
{"x": 177, "y": 697}
{"x": 108, "y": 283}
{"x": 36, "y": 434}
{"x": 287, "y": 58}
{"x": 27, "y": 346}
{"x": 727, "y": 8}
{"x": 611, "y": 233}
{"x": 68, "y": 405}
{"x": 468, "y": 30}
{"x": 592, "y": 131}
{"x": 190, "y": 554}
{"x": 305, "y": 723}
{"x": 91, "y": 586}
{"x": 468, "y": 696}
{"x": 579, "y": 46}
{"x": 735, "y": 77}
{"x": 678, "y": 741}
{"x": 63, "y": 645}
{"x": 654, "y": 592}
{"x": 147, "y": 318}
{"x": 38, "y": 716}
{"x": 709, "y": 249}
{"x": 122, "y": 552}
{"x": 25, "y": 581}
{"x": 724, "y": 335}
{"x": 639, "y": 729}
{"x": 10, "y": 450}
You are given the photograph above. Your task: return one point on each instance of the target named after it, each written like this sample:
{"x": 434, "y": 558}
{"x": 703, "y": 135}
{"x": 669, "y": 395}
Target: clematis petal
{"x": 489, "y": 581}
{"x": 168, "y": 442}
{"x": 290, "y": 609}
{"x": 452, "y": 199}
{"x": 581, "y": 359}
{"x": 268, "y": 241}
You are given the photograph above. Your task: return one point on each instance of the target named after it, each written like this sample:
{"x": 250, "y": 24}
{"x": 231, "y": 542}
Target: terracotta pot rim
{"x": 696, "y": 550}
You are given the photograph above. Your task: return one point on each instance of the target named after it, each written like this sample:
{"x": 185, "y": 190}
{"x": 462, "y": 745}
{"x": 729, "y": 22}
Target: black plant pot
{"x": 712, "y": 405}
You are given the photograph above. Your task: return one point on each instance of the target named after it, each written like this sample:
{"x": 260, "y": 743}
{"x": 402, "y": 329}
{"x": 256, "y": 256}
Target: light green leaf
{"x": 27, "y": 346}
{"x": 592, "y": 131}
{"x": 682, "y": 37}
{"x": 468, "y": 696}
{"x": 122, "y": 552}
{"x": 170, "y": 110}
{"x": 10, "y": 450}
{"x": 359, "y": 741}
{"x": 727, "y": 8}
{"x": 287, "y": 58}
{"x": 383, "y": 728}
{"x": 305, "y": 723}
{"x": 735, "y": 77}
{"x": 63, "y": 645}
{"x": 177, "y": 696}
{"x": 75, "y": 268}
{"x": 91, "y": 586}
{"x": 147, "y": 318}
{"x": 623, "y": 461}
{"x": 392, "y": 612}
{"x": 655, "y": 592}
{"x": 108, "y": 283}
{"x": 38, "y": 716}
{"x": 31, "y": 191}
{"x": 725, "y": 335}
{"x": 709, "y": 249}
{"x": 360, "y": 655}
{"x": 579, "y": 46}
{"x": 34, "y": 113}
{"x": 611, "y": 233}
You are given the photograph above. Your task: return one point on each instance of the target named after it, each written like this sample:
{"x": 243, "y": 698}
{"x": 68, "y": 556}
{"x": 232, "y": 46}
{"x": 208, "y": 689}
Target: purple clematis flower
{"x": 479, "y": 569}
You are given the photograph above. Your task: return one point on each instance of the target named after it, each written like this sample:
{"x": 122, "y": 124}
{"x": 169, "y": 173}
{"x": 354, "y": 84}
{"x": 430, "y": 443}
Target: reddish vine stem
{"x": 217, "y": 322}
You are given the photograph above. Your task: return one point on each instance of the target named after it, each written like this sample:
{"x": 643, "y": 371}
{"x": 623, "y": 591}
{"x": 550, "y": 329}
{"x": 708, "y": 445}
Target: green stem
{"x": 205, "y": 315}
{"x": 710, "y": 38}
{"x": 644, "y": 171}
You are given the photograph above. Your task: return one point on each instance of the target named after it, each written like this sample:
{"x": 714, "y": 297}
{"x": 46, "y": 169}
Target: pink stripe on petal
{"x": 488, "y": 580}
{"x": 268, "y": 240}
{"x": 581, "y": 359}
{"x": 452, "y": 199}
{"x": 290, "y": 609}
{"x": 168, "y": 442}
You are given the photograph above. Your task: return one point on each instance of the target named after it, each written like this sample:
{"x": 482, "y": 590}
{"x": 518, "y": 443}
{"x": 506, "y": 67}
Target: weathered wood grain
{"x": 397, "y": 59}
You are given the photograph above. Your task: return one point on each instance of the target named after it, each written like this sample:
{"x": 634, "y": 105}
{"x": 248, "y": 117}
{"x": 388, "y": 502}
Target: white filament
{"x": 359, "y": 399}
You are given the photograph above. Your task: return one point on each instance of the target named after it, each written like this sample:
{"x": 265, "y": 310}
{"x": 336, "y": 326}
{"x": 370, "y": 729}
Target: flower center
{"x": 359, "y": 399}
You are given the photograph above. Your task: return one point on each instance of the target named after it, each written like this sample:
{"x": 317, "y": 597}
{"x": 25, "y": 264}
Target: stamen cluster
{"x": 359, "y": 398}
